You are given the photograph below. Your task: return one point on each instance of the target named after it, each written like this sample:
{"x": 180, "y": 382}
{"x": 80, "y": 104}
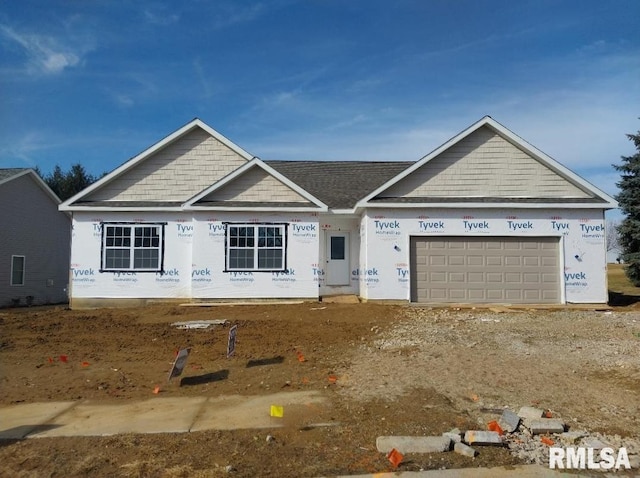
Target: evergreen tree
{"x": 67, "y": 184}
{"x": 629, "y": 201}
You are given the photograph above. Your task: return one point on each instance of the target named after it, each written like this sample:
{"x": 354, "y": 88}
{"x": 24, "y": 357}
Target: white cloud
{"x": 45, "y": 53}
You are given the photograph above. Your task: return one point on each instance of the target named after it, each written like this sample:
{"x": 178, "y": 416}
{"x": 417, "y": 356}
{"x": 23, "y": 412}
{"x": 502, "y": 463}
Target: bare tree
{"x": 612, "y": 237}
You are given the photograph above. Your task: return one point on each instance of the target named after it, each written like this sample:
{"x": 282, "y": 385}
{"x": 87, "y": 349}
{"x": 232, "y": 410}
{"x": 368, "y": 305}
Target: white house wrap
{"x": 484, "y": 218}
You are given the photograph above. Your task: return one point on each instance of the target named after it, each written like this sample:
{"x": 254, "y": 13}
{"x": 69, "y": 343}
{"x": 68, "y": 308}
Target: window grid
{"x": 255, "y": 247}
{"x": 132, "y": 247}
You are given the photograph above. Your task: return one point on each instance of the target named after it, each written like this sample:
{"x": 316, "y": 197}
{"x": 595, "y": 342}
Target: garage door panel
{"x": 456, "y": 277}
{"x": 438, "y": 277}
{"x": 531, "y": 278}
{"x": 475, "y": 277}
{"x": 485, "y": 269}
{"x": 494, "y": 261}
{"x": 512, "y": 278}
{"x": 456, "y": 260}
{"x": 437, "y": 260}
{"x": 475, "y": 260}
{"x": 513, "y": 261}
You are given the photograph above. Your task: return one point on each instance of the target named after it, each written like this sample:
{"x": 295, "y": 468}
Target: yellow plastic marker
{"x": 277, "y": 411}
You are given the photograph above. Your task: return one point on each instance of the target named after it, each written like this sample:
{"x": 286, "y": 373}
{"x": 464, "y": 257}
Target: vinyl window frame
{"x": 21, "y": 270}
{"x": 260, "y": 241}
{"x": 132, "y": 243}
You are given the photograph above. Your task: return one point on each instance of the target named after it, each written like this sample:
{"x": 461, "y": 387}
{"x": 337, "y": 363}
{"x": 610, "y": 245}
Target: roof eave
{"x": 255, "y": 209}
{"x": 72, "y": 208}
{"x": 489, "y": 205}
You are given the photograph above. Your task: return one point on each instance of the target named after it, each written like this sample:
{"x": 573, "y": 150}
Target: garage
{"x": 461, "y": 269}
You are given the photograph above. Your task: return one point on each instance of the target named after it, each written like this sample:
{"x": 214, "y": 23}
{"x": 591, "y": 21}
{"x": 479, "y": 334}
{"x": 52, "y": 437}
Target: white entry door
{"x": 337, "y": 258}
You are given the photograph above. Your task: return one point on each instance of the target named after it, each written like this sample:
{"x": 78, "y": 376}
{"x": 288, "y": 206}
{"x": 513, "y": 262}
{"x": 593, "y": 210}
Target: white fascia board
{"x": 196, "y": 123}
{"x": 485, "y": 205}
{"x": 255, "y": 162}
{"x": 255, "y": 209}
{"x": 62, "y": 207}
{"x": 343, "y": 212}
{"x": 512, "y": 138}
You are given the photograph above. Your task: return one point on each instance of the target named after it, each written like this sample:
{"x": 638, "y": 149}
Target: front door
{"x": 337, "y": 258}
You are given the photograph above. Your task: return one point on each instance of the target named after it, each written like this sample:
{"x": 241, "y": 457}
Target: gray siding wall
{"x": 484, "y": 165}
{"x": 33, "y": 227}
{"x": 176, "y": 173}
{"x": 255, "y": 185}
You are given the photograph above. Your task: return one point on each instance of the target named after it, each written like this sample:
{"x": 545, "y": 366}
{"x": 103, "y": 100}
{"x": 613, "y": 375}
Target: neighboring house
{"x": 34, "y": 241}
{"x": 484, "y": 218}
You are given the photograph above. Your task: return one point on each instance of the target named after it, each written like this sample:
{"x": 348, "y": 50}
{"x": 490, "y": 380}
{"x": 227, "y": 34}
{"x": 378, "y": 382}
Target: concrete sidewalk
{"x": 155, "y": 415}
{"x": 180, "y": 415}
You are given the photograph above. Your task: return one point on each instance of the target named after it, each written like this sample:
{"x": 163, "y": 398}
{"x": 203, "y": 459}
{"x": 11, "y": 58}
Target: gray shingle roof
{"x": 6, "y": 173}
{"x": 339, "y": 184}
{"x": 488, "y": 200}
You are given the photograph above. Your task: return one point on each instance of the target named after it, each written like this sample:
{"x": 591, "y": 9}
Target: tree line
{"x": 67, "y": 184}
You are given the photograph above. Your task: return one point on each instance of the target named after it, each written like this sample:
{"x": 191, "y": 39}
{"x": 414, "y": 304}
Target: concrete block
{"x": 509, "y": 421}
{"x": 406, "y": 444}
{"x": 482, "y": 437}
{"x": 456, "y": 437}
{"x": 595, "y": 444}
{"x": 571, "y": 438}
{"x": 546, "y": 425}
{"x": 530, "y": 412}
{"x": 465, "y": 450}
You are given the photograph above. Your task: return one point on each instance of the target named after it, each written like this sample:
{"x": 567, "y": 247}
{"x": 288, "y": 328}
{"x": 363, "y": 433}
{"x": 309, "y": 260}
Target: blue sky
{"x": 96, "y": 82}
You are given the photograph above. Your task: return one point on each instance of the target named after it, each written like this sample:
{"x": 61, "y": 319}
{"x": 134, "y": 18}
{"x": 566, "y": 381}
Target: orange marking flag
{"x": 494, "y": 427}
{"x": 547, "y": 441}
{"x": 395, "y": 457}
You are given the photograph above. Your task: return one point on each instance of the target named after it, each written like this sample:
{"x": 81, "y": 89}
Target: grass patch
{"x": 621, "y": 291}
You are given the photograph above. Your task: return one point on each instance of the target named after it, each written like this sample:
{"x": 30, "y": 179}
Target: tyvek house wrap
{"x": 194, "y": 259}
{"x": 384, "y": 269}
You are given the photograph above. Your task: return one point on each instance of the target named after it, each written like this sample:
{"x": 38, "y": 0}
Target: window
{"x": 17, "y": 270}
{"x": 132, "y": 247}
{"x": 256, "y": 247}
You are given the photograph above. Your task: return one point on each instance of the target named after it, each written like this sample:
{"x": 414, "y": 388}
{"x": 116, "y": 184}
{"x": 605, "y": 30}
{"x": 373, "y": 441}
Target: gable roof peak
{"x": 158, "y": 146}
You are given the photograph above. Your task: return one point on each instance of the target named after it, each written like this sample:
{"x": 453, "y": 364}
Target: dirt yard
{"x": 385, "y": 370}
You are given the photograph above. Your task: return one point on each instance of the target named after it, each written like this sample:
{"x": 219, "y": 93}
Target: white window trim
{"x": 160, "y": 226}
{"x": 227, "y": 247}
{"x": 24, "y": 267}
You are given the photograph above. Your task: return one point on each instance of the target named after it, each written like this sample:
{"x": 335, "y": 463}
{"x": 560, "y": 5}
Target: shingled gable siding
{"x": 176, "y": 173}
{"x": 256, "y": 185}
{"x": 34, "y": 228}
{"x": 484, "y": 164}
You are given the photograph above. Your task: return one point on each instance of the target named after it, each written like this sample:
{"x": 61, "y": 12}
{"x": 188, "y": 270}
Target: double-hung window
{"x": 256, "y": 247}
{"x": 132, "y": 247}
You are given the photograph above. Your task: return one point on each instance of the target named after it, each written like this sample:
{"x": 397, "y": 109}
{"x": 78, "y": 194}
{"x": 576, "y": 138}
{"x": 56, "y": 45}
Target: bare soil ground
{"x": 399, "y": 370}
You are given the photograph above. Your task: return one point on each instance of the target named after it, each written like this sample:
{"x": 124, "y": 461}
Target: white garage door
{"x": 516, "y": 270}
